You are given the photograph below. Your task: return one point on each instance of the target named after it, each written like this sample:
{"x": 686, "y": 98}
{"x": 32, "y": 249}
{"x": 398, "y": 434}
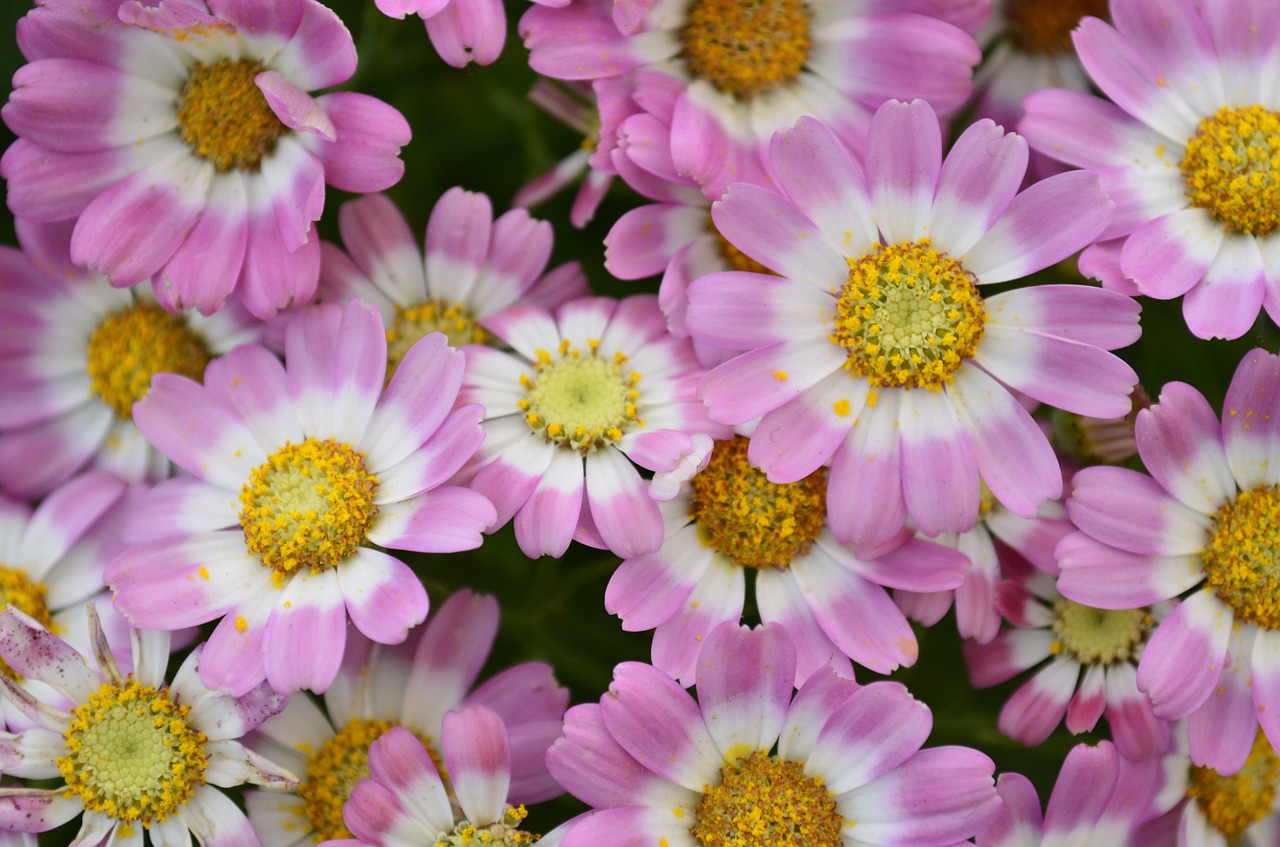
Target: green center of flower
{"x": 224, "y": 117}
{"x": 334, "y": 770}
{"x": 1234, "y": 803}
{"x": 413, "y": 323}
{"x": 761, "y": 800}
{"x": 131, "y": 346}
{"x": 1242, "y": 557}
{"x": 1232, "y": 168}
{"x": 308, "y": 505}
{"x": 580, "y": 401}
{"x": 30, "y": 598}
{"x": 1044, "y": 26}
{"x": 131, "y": 753}
{"x": 504, "y": 833}
{"x": 746, "y": 48}
{"x": 908, "y": 316}
{"x": 1098, "y": 636}
{"x": 755, "y": 522}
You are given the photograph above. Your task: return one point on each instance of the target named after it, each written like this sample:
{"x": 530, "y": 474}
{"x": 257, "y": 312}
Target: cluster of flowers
{"x": 217, "y": 427}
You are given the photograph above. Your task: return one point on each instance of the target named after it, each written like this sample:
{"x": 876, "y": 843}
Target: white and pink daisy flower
{"x": 131, "y": 753}
{"x": 582, "y": 395}
{"x": 183, "y": 141}
{"x": 76, "y": 354}
{"x": 405, "y": 799}
{"x": 745, "y": 70}
{"x": 297, "y": 471}
{"x": 1203, "y": 525}
{"x": 730, "y": 521}
{"x": 660, "y": 767}
{"x": 875, "y": 348}
{"x": 1188, "y": 148}
{"x": 1086, "y": 662}
{"x": 473, "y": 267}
{"x": 1100, "y": 799}
{"x": 411, "y": 685}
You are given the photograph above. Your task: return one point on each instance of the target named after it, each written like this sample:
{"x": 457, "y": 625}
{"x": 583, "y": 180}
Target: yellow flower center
{"x": 504, "y": 833}
{"x": 746, "y": 48}
{"x": 334, "y": 770}
{"x": 1098, "y": 636}
{"x": 762, "y": 799}
{"x": 1044, "y": 26}
{"x": 131, "y": 753}
{"x": 755, "y": 522}
{"x": 1232, "y": 168}
{"x": 131, "y": 346}
{"x": 1242, "y": 558}
{"x": 224, "y": 117}
{"x": 308, "y": 505}
{"x": 30, "y": 598}
{"x": 580, "y": 401}
{"x": 413, "y": 323}
{"x": 1233, "y": 803}
{"x": 908, "y": 316}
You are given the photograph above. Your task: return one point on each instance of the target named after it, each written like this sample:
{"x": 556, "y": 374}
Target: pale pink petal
{"x": 306, "y": 633}
{"x": 545, "y": 524}
{"x": 744, "y": 685}
{"x": 626, "y": 517}
{"x": 477, "y": 757}
{"x": 1184, "y": 657}
{"x": 384, "y": 598}
{"x": 904, "y": 159}
{"x": 1180, "y": 441}
{"x": 1251, "y": 420}
{"x": 1220, "y": 733}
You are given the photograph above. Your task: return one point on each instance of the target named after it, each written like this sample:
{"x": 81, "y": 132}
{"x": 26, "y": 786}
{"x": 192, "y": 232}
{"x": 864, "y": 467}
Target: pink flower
{"x": 878, "y": 350}
{"x": 662, "y": 767}
{"x": 1205, "y": 526}
{"x": 298, "y": 471}
{"x": 182, "y": 140}
{"x": 462, "y": 31}
{"x": 1188, "y": 150}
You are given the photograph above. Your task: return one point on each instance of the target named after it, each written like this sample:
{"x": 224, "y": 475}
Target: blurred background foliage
{"x": 476, "y": 128}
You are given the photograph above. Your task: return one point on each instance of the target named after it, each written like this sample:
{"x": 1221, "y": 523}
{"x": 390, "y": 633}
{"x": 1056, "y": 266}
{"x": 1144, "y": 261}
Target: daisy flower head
{"x": 1188, "y": 147}
{"x": 731, "y": 526}
{"x": 406, "y": 796}
{"x": 133, "y": 754}
{"x": 747, "y": 69}
{"x": 1085, "y": 662}
{"x": 474, "y": 266}
{"x": 76, "y": 354}
{"x": 184, "y": 143}
{"x": 296, "y": 472}
{"x": 412, "y": 686}
{"x": 1202, "y": 524}
{"x": 747, "y": 762}
{"x": 876, "y": 348}
{"x": 580, "y": 396}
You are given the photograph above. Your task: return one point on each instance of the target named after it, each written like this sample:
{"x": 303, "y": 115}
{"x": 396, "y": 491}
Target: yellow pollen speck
{"x": 413, "y": 323}
{"x": 908, "y": 317}
{"x": 308, "y": 506}
{"x": 755, "y": 522}
{"x": 224, "y": 117}
{"x": 1232, "y": 168}
{"x": 746, "y": 48}
{"x": 203, "y": 571}
{"x": 134, "y": 344}
{"x": 581, "y": 401}
{"x": 241, "y": 623}
{"x": 762, "y": 799}
{"x": 131, "y": 754}
{"x": 842, "y": 408}
{"x": 1242, "y": 556}
{"x": 781, "y": 376}
{"x": 1233, "y": 803}
{"x": 1044, "y": 26}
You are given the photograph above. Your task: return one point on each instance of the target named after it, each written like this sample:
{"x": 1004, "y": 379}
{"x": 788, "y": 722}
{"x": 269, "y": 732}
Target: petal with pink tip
{"x": 979, "y": 178}
{"x": 1036, "y": 709}
{"x": 383, "y": 597}
{"x": 763, "y": 379}
{"x": 1180, "y": 441}
{"x": 1226, "y": 302}
{"x": 1264, "y": 683}
{"x": 824, "y": 413}
{"x": 778, "y": 600}
{"x": 1105, "y": 319}
{"x": 1184, "y": 657}
{"x": 1131, "y": 511}
{"x": 419, "y": 396}
{"x": 1251, "y": 420}
{"x": 1167, "y": 256}
{"x": 444, "y": 520}
{"x": 545, "y": 524}
{"x": 1089, "y": 702}
{"x": 744, "y": 685}
{"x": 400, "y": 763}
{"x": 875, "y": 730}
{"x": 1099, "y": 575}
{"x": 865, "y": 506}
{"x": 717, "y": 597}
{"x": 742, "y": 310}
{"x": 370, "y": 133}
{"x": 939, "y": 471}
{"x": 306, "y": 633}
{"x": 1083, "y": 789}
{"x": 1137, "y": 732}
{"x": 626, "y": 517}
{"x": 477, "y": 757}
{"x": 1220, "y": 733}
{"x": 34, "y": 652}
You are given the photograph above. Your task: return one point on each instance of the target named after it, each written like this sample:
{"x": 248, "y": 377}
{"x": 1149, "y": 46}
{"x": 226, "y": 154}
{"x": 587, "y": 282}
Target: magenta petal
{"x": 1168, "y": 256}
{"x": 204, "y": 268}
{"x": 546, "y": 522}
{"x": 1098, "y": 575}
{"x": 1251, "y": 419}
{"x": 306, "y": 633}
{"x": 1036, "y": 708}
{"x": 771, "y": 230}
{"x": 824, "y": 413}
{"x": 444, "y": 520}
{"x": 865, "y": 507}
{"x": 1183, "y": 660}
{"x": 1221, "y": 732}
{"x": 744, "y": 685}
{"x": 626, "y": 517}
{"x": 366, "y": 155}
{"x": 872, "y": 732}
{"x": 1137, "y": 732}
{"x": 462, "y": 32}
{"x": 1226, "y": 303}
{"x": 904, "y": 159}
{"x": 1083, "y": 789}
{"x": 1180, "y": 441}
{"x": 294, "y": 107}
{"x": 477, "y": 756}
{"x": 939, "y": 471}
{"x": 1019, "y": 816}
{"x": 1265, "y": 681}
{"x": 1131, "y": 511}
{"x": 384, "y": 598}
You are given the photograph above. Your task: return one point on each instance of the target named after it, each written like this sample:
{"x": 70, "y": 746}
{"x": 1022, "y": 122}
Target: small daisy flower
{"x": 745, "y": 70}
{"x": 474, "y": 267}
{"x": 747, "y": 763}
{"x": 411, "y": 685}
{"x": 183, "y": 142}
{"x": 76, "y": 354}
{"x": 1086, "y": 662}
{"x": 730, "y": 521}
{"x": 582, "y": 395}
{"x": 1100, "y": 799}
{"x": 133, "y": 754}
{"x": 1189, "y": 150}
{"x": 406, "y": 796}
{"x": 876, "y": 348}
{"x": 1204, "y": 525}
{"x": 298, "y": 471}
{"x": 462, "y": 31}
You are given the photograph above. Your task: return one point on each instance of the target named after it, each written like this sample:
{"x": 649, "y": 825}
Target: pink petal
{"x": 1184, "y": 657}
